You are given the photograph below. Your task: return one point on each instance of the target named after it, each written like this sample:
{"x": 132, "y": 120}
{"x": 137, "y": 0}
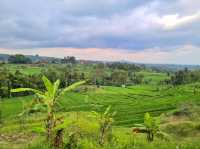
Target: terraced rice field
{"x": 130, "y": 103}
{"x": 23, "y": 68}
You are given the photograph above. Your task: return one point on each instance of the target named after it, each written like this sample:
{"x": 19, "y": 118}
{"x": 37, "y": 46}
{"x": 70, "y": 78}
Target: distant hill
{"x": 34, "y": 58}
{"x": 172, "y": 67}
{"x": 158, "y": 67}
{"x": 4, "y": 57}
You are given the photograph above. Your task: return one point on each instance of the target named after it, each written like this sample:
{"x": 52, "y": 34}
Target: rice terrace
{"x": 85, "y": 74}
{"x": 130, "y": 96}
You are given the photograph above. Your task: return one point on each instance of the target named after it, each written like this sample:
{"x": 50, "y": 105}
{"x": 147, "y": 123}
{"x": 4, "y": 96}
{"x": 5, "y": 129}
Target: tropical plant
{"x": 1, "y": 119}
{"x": 150, "y": 128}
{"x": 49, "y": 99}
{"x": 105, "y": 122}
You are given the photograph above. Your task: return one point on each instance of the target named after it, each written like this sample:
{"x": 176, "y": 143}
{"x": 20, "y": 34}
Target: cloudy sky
{"x": 150, "y": 31}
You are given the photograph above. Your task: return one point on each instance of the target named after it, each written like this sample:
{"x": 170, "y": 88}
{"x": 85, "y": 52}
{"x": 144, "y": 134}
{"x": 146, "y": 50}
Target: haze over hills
{"x": 34, "y": 58}
{"x": 162, "y": 67}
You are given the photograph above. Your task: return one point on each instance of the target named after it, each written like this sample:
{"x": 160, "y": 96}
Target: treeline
{"x": 22, "y": 59}
{"x": 98, "y": 74}
{"x": 115, "y": 74}
{"x": 184, "y": 77}
{"x": 9, "y": 80}
{"x": 19, "y": 59}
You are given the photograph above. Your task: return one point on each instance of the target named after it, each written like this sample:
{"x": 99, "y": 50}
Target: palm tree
{"x": 48, "y": 99}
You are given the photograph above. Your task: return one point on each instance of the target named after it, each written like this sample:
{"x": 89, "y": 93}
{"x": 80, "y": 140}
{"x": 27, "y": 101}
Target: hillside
{"x": 156, "y": 67}
{"x": 129, "y": 103}
{"x": 142, "y": 91}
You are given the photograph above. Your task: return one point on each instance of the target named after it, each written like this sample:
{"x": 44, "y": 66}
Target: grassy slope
{"x": 24, "y": 68}
{"x": 130, "y": 103}
{"x": 153, "y": 77}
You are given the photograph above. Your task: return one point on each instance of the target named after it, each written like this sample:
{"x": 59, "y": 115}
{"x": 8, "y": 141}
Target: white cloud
{"x": 174, "y": 21}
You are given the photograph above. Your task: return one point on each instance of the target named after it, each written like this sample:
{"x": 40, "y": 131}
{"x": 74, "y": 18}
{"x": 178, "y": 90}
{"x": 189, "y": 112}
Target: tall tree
{"x": 19, "y": 59}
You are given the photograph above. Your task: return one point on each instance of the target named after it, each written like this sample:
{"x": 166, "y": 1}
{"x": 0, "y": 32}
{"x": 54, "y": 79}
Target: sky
{"x": 145, "y": 31}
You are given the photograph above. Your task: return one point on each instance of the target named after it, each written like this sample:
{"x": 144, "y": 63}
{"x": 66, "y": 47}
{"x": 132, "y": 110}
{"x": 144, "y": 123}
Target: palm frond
{"x": 55, "y": 87}
{"x": 17, "y": 90}
{"x": 48, "y": 85}
{"x": 64, "y": 125}
{"x": 139, "y": 125}
{"x": 73, "y": 86}
{"x": 40, "y": 130}
{"x": 107, "y": 110}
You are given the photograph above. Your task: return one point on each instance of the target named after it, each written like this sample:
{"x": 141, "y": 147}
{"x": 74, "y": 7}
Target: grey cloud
{"x": 123, "y": 24}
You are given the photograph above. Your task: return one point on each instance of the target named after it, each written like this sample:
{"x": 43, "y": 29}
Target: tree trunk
{"x": 58, "y": 140}
{"x": 102, "y": 135}
{"x": 150, "y": 136}
{"x": 49, "y": 126}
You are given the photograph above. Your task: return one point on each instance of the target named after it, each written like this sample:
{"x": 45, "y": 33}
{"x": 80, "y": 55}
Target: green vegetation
{"x": 27, "y": 69}
{"x": 19, "y": 59}
{"x": 150, "y": 127}
{"x": 122, "y": 106}
{"x": 130, "y": 103}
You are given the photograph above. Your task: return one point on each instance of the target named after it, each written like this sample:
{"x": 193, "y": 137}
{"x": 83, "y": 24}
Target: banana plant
{"x": 48, "y": 99}
{"x": 58, "y": 130}
{"x": 150, "y": 128}
{"x": 105, "y": 121}
{"x": 1, "y": 117}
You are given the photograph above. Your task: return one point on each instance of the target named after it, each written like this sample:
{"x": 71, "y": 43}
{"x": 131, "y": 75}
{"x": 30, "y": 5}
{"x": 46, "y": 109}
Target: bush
{"x": 181, "y": 129}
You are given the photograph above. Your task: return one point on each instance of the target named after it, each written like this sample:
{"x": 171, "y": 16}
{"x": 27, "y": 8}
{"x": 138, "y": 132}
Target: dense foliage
{"x": 19, "y": 59}
{"x": 97, "y": 74}
{"x": 184, "y": 77}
